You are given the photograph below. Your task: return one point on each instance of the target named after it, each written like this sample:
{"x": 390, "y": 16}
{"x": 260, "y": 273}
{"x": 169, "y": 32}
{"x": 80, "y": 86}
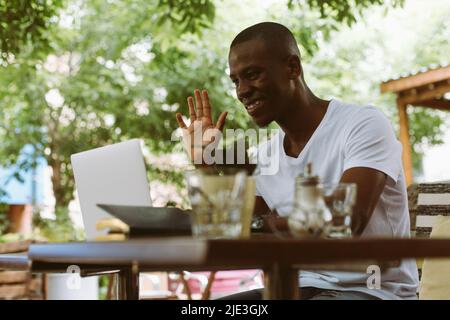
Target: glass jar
{"x": 310, "y": 216}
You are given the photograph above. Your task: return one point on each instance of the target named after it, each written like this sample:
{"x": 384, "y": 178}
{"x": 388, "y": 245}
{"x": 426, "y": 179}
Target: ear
{"x": 294, "y": 66}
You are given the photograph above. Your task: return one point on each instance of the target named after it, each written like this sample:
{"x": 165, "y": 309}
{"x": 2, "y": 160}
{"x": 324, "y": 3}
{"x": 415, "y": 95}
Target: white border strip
{"x": 433, "y": 199}
{"x": 425, "y": 221}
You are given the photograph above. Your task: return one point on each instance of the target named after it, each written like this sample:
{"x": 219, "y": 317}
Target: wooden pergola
{"x": 423, "y": 89}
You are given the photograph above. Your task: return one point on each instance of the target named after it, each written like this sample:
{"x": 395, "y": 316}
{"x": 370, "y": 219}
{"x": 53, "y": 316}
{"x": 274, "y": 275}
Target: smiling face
{"x": 262, "y": 80}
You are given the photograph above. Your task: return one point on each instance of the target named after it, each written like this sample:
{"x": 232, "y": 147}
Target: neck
{"x": 303, "y": 117}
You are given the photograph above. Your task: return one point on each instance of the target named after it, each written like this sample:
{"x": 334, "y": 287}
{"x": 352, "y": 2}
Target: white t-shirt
{"x": 348, "y": 136}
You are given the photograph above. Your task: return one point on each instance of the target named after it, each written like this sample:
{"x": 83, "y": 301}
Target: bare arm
{"x": 370, "y": 184}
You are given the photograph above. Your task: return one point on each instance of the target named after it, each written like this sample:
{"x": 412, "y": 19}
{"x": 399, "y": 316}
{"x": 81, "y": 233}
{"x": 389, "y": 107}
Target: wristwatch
{"x": 257, "y": 223}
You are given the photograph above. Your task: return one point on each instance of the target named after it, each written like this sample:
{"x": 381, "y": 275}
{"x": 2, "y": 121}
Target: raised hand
{"x": 201, "y": 133}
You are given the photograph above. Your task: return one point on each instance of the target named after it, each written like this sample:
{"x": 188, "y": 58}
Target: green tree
{"x": 26, "y": 22}
{"x": 90, "y": 98}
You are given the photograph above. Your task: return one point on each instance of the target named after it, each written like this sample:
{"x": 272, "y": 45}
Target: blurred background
{"x": 76, "y": 75}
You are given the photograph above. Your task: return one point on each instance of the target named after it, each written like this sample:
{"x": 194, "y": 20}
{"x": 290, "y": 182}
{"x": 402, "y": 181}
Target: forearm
{"x": 370, "y": 184}
{"x": 359, "y": 222}
{"x": 362, "y": 212}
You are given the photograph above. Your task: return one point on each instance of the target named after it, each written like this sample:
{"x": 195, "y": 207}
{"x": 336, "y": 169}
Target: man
{"x": 344, "y": 142}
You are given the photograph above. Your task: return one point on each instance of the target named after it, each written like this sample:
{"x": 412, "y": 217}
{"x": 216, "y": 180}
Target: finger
{"x": 198, "y": 103}
{"x": 192, "y": 115}
{"x": 206, "y": 105}
{"x": 221, "y": 121}
{"x": 180, "y": 121}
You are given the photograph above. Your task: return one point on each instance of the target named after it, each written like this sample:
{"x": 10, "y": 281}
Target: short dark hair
{"x": 271, "y": 33}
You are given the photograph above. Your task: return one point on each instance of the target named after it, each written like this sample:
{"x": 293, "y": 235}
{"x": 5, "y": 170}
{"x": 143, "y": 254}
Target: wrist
{"x": 274, "y": 223}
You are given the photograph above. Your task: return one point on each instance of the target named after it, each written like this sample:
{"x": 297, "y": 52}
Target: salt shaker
{"x": 310, "y": 216}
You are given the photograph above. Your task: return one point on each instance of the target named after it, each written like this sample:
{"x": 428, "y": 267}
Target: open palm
{"x": 201, "y": 131}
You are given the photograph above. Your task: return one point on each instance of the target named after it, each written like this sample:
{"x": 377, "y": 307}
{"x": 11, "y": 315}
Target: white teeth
{"x": 254, "y": 105}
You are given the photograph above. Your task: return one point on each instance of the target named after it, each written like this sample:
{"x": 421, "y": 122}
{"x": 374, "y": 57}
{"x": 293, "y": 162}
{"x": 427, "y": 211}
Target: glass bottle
{"x": 310, "y": 216}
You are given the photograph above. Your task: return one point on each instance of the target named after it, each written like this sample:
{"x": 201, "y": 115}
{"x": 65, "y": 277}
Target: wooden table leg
{"x": 281, "y": 282}
{"x": 128, "y": 284}
{"x": 110, "y": 293}
{"x": 207, "y": 291}
{"x": 44, "y": 286}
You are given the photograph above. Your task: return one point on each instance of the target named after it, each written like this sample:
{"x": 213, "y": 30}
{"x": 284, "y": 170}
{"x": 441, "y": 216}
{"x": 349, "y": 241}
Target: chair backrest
{"x": 426, "y": 202}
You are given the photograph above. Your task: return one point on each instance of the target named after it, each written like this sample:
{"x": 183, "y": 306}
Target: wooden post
{"x": 128, "y": 284}
{"x": 404, "y": 139}
{"x": 281, "y": 282}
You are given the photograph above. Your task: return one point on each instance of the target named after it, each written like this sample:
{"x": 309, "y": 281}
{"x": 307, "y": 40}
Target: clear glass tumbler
{"x": 217, "y": 203}
{"x": 340, "y": 199}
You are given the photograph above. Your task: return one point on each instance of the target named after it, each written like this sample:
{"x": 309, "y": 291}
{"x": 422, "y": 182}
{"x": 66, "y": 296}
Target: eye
{"x": 252, "y": 75}
{"x": 235, "y": 82}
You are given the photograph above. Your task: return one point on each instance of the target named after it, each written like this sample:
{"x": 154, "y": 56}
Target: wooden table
{"x": 14, "y": 261}
{"x": 280, "y": 259}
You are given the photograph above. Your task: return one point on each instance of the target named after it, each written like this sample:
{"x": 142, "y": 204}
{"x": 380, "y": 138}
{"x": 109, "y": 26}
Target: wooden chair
{"x": 427, "y": 201}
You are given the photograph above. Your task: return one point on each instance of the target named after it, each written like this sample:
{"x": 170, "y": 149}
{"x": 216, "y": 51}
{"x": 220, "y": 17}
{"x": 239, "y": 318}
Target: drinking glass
{"x": 340, "y": 199}
{"x": 217, "y": 202}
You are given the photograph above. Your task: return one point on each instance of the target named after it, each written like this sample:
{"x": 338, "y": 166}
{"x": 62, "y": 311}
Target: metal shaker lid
{"x": 307, "y": 178}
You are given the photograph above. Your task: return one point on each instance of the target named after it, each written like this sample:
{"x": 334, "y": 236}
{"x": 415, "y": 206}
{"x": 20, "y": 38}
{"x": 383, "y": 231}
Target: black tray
{"x": 151, "y": 221}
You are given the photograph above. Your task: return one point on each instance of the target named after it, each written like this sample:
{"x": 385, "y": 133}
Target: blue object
{"x": 31, "y": 189}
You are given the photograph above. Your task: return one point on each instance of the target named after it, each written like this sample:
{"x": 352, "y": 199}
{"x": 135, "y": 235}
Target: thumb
{"x": 221, "y": 121}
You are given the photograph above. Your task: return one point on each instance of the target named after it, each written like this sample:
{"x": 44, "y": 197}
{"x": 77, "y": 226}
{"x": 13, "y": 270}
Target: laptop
{"x": 113, "y": 175}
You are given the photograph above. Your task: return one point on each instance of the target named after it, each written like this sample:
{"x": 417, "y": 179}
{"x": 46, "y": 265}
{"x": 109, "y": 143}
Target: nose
{"x": 243, "y": 91}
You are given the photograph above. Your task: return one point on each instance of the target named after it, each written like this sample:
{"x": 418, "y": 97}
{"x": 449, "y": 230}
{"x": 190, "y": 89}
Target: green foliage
{"x": 99, "y": 98}
{"x": 60, "y": 229}
{"x": 187, "y": 15}
{"x": 426, "y": 127}
{"x": 103, "y": 282}
{"x": 26, "y": 22}
{"x": 341, "y": 11}
{"x": 312, "y": 20}
{"x": 4, "y": 223}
